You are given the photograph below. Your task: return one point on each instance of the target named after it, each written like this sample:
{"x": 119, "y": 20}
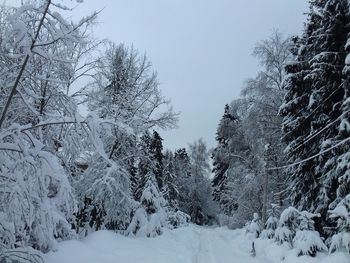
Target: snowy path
{"x": 191, "y": 244}
{"x": 217, "y": 246}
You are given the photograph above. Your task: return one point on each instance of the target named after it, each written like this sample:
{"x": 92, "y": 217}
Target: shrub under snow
{"x": 254, "y": 227}
{"x": 297, "y": 229}
{"x": 341, "y": 240}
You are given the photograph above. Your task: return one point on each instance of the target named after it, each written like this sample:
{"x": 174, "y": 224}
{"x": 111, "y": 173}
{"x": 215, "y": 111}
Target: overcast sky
{"x": 201, "y": 49}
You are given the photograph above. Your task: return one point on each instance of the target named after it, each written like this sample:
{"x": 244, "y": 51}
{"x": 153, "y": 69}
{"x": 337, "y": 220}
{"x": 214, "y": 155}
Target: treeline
{"x": 285, "y": 142}
{"x": 63, "y": 174}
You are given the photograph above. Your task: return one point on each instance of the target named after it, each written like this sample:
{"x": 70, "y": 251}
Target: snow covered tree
{"x": 36, "y": 64}
{"x": 254, "y": 227}
{"x": 156, "y": 148}
{"x": 126, "y": 98}
{"x": 271, "y": 222}
{"x": 297, "y": 229}
{"x": 249, "y": 139}
{"x": 287, "y": 227}
{"x": 312, "y": 109}
{"x": 239, "y": 187}
{"x": 158, "y": 208}
{"x": 170, "y": 187}
{"x": 151, "y": 217}
{"x": 222, "y": 193}
{"x": 126, "y": 89}
{"x": 182, "y": 170}
{"x": 307, "y": 241}
{"x": 262, "y": 97}
{"x": 201, "y": 208}
{"x": 144, "y": 165}
{"x": 341, "y": 240}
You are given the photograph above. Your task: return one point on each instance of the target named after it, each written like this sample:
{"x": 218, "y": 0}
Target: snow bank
{"x": 190, "y": 244}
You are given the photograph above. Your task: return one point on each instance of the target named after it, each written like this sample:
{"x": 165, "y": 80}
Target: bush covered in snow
{"x": 151, "y": 217}
{"x": 271, "y": 223}
{"x": 178, "y": 219}
{"x": 341, "y": 240}
{"x": 287, "y": 226}
{"x": 297, "y": 229}
{"x": 254, "y": 227}
{"x": 271, "y": 226}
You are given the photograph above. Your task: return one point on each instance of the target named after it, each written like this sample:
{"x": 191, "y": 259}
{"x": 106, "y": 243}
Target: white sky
{"x": 201, "y": 49}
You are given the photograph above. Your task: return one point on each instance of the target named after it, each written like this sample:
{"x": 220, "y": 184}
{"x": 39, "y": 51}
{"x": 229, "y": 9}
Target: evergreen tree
{"x": 341, "y": 213}
{"x": 182, "y": 170}
{"x": 156, "y": 148}
{"x": 151, "y": 216}
{"x": 170, "y": 188}
{"x": 313, "y": 107}
{"x": 221, "y": 162}
{"x": 144, "y": 166}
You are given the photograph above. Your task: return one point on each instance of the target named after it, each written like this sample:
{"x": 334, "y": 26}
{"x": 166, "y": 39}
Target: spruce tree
{"x": 182, "y": 170}
{"x": 221, "y": 162}
{"x": 144, "y": 165}
{"x": 156, "y": 148}
{"x": 170, "y": 188}
{"x": 312, "y": 108}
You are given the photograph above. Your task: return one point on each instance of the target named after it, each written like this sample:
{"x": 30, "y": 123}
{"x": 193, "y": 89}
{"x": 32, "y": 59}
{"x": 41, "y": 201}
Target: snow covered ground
{"x": 192, "y": 244}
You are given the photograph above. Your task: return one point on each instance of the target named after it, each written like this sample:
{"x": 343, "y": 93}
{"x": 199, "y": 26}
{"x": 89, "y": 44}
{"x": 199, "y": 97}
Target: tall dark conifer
{"x": 156, "y": 148}
{"x": 312, "y": 107}
{"x": 170, "y": 188}
{"x": 221, "y": 162}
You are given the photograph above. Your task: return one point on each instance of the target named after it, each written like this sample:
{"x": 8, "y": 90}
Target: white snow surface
{"x": 192, "y": 244}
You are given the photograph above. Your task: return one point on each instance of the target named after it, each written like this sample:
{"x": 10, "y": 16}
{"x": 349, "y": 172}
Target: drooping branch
{"x": 24, "y": 65}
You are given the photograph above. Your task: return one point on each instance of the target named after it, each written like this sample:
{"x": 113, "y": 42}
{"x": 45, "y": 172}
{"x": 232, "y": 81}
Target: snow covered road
{"x": 192, "y": 244}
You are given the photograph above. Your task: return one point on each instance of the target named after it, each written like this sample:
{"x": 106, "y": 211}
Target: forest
{"x": 81, "y": 147}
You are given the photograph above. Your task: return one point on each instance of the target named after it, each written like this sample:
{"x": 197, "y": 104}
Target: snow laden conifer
{"x": 343, "y": 168}
{"x": 182, "y": 170}
{"x": 170, "y": 188}
{"x": 341, "y": 240}
{"x": 150, "y": 216}
{"x": 297, "y": 230}
{"x": 296, "y": 123}
{"x": 313, "y": 108}
{"x": 271, "y": 222}
{"x": 307, "y": 241}
{"x": 156, "y": 151}
{"x": 328, "y": 96}
{"x": 222, "y": 188}
{"x": 287, "y": 227}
